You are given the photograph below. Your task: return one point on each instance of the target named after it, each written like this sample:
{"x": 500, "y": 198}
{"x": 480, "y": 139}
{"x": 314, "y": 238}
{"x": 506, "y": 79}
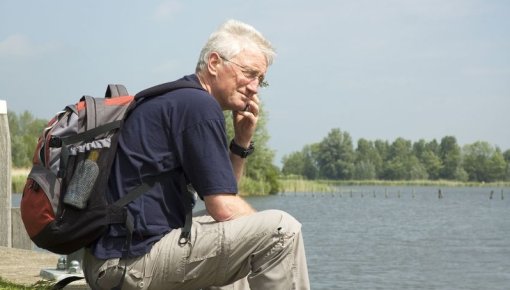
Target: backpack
{"x": 64, "y": 205}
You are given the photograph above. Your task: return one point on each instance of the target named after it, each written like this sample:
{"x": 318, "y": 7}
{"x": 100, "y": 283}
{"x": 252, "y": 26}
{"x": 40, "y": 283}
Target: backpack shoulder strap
{"x": 165, "y": 88}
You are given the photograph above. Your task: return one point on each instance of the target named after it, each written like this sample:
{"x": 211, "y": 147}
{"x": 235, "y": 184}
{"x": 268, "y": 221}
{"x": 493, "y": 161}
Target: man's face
{"x": 238, "y": 79}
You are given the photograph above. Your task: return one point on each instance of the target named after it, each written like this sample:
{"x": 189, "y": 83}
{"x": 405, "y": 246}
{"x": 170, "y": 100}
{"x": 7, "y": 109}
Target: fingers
{"x": 250, "y": 111}
{"x": 255, "y": 98}
{"x": 245, "y": 116}
{"x": 253, "y": 105}
{"x": 245, "y": 120}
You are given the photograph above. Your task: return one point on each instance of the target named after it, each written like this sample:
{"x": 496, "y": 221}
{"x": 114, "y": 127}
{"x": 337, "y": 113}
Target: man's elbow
{"x": 221, "y": 216}
{"x": 217, "y": 207}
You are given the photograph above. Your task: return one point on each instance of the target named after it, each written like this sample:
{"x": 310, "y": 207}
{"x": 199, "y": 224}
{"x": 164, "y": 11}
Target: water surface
{"x": 401, "y": 237}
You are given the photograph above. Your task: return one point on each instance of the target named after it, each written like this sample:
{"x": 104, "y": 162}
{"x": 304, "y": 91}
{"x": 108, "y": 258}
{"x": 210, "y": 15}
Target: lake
{"x": 370, "y": 237}
{"x": 403, "y": 238}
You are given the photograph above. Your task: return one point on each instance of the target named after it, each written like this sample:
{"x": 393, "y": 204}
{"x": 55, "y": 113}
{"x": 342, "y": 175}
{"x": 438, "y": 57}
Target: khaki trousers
{"x": 261, "y": 251}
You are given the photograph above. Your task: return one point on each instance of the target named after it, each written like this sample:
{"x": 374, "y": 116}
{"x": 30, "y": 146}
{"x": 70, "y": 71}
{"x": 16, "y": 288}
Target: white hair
{"x": 233, "y": 37}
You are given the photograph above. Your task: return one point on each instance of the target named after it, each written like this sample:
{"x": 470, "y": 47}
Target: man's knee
{"x": 278, "y": 246}
{"x": 284, "y": 227}
{"x": 287, "y": 223}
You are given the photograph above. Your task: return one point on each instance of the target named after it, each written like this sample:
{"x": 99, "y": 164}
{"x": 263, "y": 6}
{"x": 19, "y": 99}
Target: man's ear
{"x": 213, "y": 63}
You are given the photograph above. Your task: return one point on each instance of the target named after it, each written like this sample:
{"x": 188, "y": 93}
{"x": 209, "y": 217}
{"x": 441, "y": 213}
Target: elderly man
{"x": 181, "y": 135}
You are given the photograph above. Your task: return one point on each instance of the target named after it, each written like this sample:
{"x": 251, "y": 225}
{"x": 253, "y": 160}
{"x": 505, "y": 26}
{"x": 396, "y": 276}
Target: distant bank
{"x": 19, "y": 176}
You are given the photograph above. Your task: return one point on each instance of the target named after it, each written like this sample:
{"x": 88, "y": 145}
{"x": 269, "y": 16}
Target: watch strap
{"x": 241, "y": 151}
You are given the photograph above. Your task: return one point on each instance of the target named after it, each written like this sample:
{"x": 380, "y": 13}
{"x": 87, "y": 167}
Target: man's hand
{"x": 245, "y": 122}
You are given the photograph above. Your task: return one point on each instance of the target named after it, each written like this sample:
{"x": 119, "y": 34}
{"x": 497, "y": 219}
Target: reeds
{"x": 18, "y": 179}
{"x": 303, "y": 185}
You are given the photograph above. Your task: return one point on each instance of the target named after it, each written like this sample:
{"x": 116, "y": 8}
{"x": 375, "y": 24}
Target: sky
{"x": 377, "y": 69}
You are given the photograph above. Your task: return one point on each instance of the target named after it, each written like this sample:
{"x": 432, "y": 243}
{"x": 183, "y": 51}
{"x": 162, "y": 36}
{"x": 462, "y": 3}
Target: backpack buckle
{"x": 184, "y": 238}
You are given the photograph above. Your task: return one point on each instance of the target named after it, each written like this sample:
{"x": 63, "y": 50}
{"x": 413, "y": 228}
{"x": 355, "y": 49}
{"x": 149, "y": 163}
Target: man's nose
{"x": 253, "y": 86}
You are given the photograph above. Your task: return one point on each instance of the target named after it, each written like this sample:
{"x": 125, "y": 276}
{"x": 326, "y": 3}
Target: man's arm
{"x": 224, "y": 207}
{"x": 245, "y": 123}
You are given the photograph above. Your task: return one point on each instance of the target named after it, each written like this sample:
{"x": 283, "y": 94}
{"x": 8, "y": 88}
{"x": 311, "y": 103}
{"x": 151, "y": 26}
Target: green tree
{"x": 368, "y": 162}
{"x": 383, "y": 149}
{"x": 506, "y": 155}
{"x": 24, "y": 131}
{"x": 301, "y": 163}
{"x": 310, "y": 152}
{"x": 426, "y": 154}
{"x": 450, "y": 155}
{"x": 364, "y": 170}
{"x": 402, "y": 164}
{"x": 482, "y": 162}
{"x": 398, "y": 153}
{"x": 497, "y": 166}
{"x": 293, "y": 164}
{"x": 432, "y": 164}
{"x": 433, "y": 146}
{"x": 335, "y": 155}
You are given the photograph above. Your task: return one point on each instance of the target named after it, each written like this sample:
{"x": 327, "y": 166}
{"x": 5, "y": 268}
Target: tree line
{"x": 335, "y": 158}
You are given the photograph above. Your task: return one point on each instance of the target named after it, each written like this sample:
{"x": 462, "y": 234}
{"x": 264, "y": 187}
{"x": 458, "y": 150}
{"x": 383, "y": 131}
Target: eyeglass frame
{"x": 246, "y": 70}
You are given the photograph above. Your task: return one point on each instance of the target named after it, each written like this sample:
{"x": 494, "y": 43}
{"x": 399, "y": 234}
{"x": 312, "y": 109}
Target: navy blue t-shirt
{"x": 178, "y": 133}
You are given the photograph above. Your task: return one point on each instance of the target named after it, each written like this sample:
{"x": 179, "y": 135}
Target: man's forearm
{"x": 237, "y": 165}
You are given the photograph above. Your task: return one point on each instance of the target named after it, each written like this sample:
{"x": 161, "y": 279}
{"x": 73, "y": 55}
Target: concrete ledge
{"x": 24, "y": 266}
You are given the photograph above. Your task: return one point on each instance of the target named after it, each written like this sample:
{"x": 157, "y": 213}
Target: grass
{"x": 326, "y": 186}
{"x": 19, "y": 177}
{"x": 445, "y": 183}
{"x": 40, "y": 285}
{"x": 303, "y": 185}
{"x": 251, "y": 187}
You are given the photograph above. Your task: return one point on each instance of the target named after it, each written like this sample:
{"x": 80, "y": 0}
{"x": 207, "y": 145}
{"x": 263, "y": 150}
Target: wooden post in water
{"x": 5, "y": 178}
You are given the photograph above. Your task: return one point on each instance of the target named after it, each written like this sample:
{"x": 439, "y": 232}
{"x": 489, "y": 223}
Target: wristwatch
{"x": 241, "y": 151}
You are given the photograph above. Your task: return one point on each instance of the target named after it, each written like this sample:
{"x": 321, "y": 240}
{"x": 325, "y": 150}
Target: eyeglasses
{"x": 249, "y": 73}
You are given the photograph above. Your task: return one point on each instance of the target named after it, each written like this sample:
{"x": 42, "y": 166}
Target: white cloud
{"x": 21, "y": 46}
{"x": 166, "y": 10}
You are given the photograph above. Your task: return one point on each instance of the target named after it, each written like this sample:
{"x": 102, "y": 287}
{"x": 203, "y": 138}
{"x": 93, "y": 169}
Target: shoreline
{"x": 19, "y": 175}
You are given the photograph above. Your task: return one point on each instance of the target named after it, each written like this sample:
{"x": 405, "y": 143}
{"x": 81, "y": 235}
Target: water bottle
{"x": 82, "y": 182}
